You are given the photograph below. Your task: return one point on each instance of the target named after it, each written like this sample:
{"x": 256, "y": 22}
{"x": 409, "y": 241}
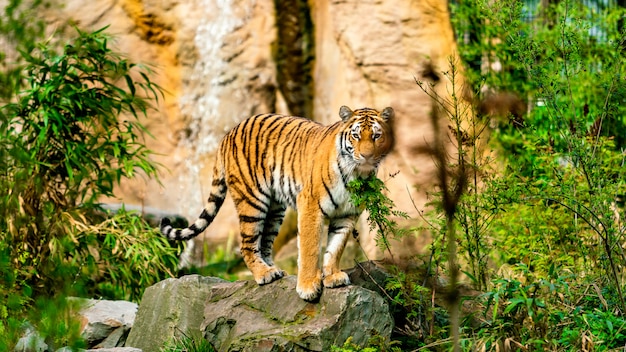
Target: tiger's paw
{"x": 336, "y": 280}
{"x": 310, "y": 290}
{"x": 271, "y": 274}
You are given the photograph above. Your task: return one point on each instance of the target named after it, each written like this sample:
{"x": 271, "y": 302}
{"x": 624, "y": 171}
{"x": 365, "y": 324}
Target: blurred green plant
{"x": 538, "y": 227}
{"x": 548, "y": 206}
{"x": 553, "y": 205}
{"x": 21, "y": 28}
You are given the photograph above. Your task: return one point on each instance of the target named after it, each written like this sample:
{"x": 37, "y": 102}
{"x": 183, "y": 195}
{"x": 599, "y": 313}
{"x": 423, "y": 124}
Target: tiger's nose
{"x": 367, "y": 156}
{"x": 367, "y": 152}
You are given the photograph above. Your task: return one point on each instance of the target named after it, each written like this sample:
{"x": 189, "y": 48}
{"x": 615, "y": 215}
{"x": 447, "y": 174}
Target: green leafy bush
{"x": 21, "y": 28}
{"x": 554, "y": 228}
{"x": 539, "y": 227}
{"x": 67, "y": 139}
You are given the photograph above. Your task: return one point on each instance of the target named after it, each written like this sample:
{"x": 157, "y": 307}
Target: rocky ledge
{"x": 242, "y": 316}
{"x": 233, "y": 316}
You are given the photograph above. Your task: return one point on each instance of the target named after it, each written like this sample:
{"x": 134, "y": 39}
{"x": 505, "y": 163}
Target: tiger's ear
{"x": 345, "y": 113}
{"x": 387, "y": 114}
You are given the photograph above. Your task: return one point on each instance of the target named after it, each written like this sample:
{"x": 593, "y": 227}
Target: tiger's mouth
{"x": 365, "y": 166}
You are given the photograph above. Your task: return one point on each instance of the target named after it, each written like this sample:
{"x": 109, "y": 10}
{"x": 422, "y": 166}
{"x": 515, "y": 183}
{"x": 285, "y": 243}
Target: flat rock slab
{"x": 243, "y": 316}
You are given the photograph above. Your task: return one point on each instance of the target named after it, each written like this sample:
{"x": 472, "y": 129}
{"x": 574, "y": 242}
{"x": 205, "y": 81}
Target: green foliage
{"x": 569, "y": 151}
{"x": 461, "y": 199}
{"x": 376, "y": 344}
{"x": 188, "y": 343}
{"x": 367, "y": 194}
{"x": 117, "y": 257}
{"x": 69, "y": 137}
{"x": 424, "y": 322}
{"x": 21, "y": 28}
{"x": 51, "y": 317}
{"x": 64, "y": 128}
{"x": 540, "y": 229}
{"x": 64, "y": 148}
{"x": 546, "y": 229}
{"x": 56, "y": 323}
{"x": 550, "y": 211}
{"x": 546, "y": 313}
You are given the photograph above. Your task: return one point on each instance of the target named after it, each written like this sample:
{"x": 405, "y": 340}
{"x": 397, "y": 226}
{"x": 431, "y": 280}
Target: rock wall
{"x": 370, "y": 53}
{"x": 221, "y": 61}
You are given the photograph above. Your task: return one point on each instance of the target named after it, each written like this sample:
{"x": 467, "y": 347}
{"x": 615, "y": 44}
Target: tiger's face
{"x": 367, "y": 137}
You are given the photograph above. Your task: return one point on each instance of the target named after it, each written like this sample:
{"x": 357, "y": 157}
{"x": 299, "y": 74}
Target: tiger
{"x": 271, "y": 161}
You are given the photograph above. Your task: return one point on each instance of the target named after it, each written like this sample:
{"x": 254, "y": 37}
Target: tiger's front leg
{"x": 338, "y": 234}
{"x": 310, "y": 227}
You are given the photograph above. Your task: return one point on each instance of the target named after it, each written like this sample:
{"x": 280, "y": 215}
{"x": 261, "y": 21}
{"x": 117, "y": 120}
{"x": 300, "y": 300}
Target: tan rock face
{"x": 217, "y": 61}
{"x": 369, "y": 54}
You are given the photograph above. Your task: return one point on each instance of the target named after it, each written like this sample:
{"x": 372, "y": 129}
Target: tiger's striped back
{"x": 272, "y": 161}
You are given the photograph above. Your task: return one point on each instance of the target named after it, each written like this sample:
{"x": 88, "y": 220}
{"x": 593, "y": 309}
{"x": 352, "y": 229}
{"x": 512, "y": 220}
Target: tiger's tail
{"x": 214, "y": 203}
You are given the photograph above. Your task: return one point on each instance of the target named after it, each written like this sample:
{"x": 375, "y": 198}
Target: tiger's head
{"x": 366, "y": 137}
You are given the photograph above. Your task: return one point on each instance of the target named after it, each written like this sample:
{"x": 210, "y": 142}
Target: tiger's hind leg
{"x": 338, "y": 232}
{"x": 252, "y": 222}
{"x": 270, "y": 230}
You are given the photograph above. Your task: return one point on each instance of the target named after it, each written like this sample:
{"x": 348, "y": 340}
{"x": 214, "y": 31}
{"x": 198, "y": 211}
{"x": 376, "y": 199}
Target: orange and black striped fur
{"x": 269, "y": 162}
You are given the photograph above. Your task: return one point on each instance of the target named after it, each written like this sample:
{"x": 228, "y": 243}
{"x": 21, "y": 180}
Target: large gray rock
{"x": 168, "y": 308}
{"x": 371, "y": 275}
{"x": 104, "y": 327}
{"x": 105, "y": 324}
{"x": 243, "y": 316}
